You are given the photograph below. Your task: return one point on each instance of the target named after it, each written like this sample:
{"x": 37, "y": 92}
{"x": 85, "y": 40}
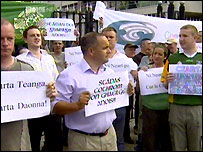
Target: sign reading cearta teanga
{"x": 23, "y": 95}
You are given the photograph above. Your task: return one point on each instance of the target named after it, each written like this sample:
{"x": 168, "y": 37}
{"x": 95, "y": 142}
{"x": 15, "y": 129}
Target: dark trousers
{"x": 119, "y": 124}
{"x": 52, "y": 128}
{"x": 127, "y": 117}
{"x": 137, "y": 94}
{"x": 155, "y": 130}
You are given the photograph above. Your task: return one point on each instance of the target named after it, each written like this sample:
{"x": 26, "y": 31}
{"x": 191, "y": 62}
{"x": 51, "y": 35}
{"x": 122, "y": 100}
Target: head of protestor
{"x": 57, "y": 46}
{"x": 7, "y": 40}
{"x": 32, "y": 36}
{"x": 159, "y": 55}
{"x": 172, "y": 45}
{"x": 187, "y": 38}
{"x": 130, "y": 50}
{"x": 199, "y": 39}
{"x": 95, "y": 48}
{"x": 111, "y": 35}
{"x": 146, "y": 47}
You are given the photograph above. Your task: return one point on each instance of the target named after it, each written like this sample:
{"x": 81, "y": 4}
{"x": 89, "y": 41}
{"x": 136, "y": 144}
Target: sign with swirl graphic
{"x": 134, "y": 28}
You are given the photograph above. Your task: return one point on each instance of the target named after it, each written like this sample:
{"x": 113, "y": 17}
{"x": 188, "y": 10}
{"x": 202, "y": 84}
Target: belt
{"x": 92, "y": 134}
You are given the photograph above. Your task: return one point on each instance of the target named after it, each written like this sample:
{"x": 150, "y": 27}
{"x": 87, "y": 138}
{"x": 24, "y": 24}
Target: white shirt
{"x": 70, "y": 84}
{"x": 120, "y": 62}
{"x": 46, "y": 63}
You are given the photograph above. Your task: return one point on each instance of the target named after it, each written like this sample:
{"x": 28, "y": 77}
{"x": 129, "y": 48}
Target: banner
{"x": 134, "y": 27}
{"x": 58, "y": 29}
{"x": 24, "y": 14}
{"x": 23, "y": 95}
{"x": 107, "y": 92}
{"x": 150, "y": 83}
{"x": 73, "y": 55}
{"x": 187, "y": 81}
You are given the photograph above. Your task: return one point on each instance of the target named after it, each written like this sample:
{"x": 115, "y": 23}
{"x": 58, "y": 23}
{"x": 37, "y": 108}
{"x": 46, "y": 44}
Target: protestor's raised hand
{"x": 76, "y": 32}
{"x": 130, "y": 89}
{"x": 83, "y": 99}
{"x": 101, "y": 22}
{"x": 51, "y": 91}
{"x": 144, "y": 68}
{"x": 134, "y": 73}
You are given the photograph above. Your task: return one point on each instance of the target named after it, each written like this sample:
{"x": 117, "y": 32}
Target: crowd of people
{"x": 163, "y": 122}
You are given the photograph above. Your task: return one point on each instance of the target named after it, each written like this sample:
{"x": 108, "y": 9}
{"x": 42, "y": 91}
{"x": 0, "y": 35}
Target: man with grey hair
{"x": 14, "y": 135}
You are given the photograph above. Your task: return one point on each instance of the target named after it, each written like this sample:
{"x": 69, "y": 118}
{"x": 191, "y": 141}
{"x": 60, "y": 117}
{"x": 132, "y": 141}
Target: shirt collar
{"x": 43, "y": 52}
{"x": 85, "y": 67}
{"x": 190, "y": 56}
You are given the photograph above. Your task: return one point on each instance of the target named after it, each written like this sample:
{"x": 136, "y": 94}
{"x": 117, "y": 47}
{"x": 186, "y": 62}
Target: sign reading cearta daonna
{"x": 23, "y": 95}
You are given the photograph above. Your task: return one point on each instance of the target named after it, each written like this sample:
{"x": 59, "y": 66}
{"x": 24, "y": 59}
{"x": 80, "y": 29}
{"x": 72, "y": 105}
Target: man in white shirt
{"x": 42, "y": 61}
{"x": 119, "y": 62}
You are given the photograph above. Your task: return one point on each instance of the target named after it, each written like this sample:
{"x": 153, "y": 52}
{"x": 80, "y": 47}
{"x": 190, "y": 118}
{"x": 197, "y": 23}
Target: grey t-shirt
{"x": 14, "y": 135}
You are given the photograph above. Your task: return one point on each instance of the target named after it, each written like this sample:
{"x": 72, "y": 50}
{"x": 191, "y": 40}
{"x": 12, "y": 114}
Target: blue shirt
{"x": 70, "y": 84}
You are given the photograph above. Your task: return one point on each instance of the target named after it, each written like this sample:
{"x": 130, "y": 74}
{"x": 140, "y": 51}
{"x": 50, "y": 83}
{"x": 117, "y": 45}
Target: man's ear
{"x": 91, "y": 51}
{"x": 196, "y": 37}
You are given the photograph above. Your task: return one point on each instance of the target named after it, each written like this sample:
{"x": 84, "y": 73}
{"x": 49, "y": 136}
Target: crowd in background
{"x": 163, "y": 122}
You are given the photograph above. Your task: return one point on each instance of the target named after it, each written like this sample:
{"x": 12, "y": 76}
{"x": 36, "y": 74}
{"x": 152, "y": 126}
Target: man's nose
{"x": 109, "y": 50}
{"x": 4, "y": 41}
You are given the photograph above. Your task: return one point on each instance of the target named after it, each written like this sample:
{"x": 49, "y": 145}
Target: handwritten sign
{"x": 58, "y": 29}
{"x": 188, "y": 79}
{"x": 23, "y": 95}
{"x": 121, "y": 64}
{"x": 107, "y": 92}
{"x": 73, "y": 55}
{"x": 149, "y": 81}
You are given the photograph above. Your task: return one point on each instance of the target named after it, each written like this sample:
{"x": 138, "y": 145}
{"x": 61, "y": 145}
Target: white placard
{"x": 73, "y": 55}
{"x": 107, "y": 92}
{"x": 121, "y": 64}
{"x": 58, "y": 29}
{"x": 150, "y": 81}
{"x": 100, "y": 7}
{"x": 23, "y": 95}
{"x": 187, "y": 81}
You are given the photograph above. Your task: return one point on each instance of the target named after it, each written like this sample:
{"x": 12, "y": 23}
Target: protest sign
{"x": 58, "y": 29}
{"x": 150, "y": 81}
{"x": 187, "y": 81}
{"x": 73, "y": 55}
{"x": 107, "y": 92}
{"x": 121, "y": 64}
{"x": 23, "y": 95}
